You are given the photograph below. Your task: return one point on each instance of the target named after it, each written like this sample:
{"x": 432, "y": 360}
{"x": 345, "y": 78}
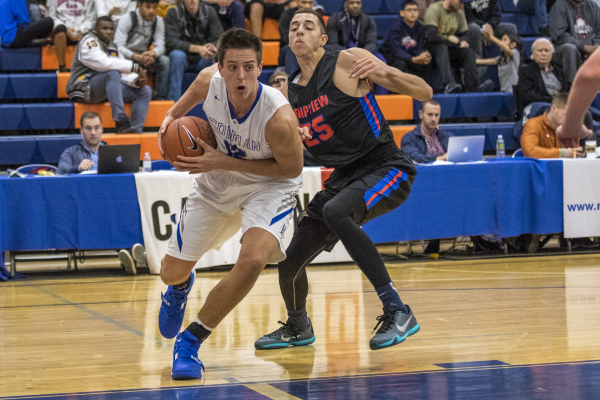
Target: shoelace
{"x": 287, "y": 329}
{"x": 171, "y": 296}
{"x": 385, "y": 321}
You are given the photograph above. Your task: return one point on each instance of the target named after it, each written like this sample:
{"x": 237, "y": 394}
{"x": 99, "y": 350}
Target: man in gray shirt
{"x": 136, "y": 33}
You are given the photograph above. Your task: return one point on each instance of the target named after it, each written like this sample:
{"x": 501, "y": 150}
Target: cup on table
{"x": 590, "y": 149}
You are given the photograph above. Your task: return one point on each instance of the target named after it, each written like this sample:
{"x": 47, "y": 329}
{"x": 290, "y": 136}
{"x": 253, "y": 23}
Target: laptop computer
{"x": 119, "y": 159}
{"x": 465, "y": 148}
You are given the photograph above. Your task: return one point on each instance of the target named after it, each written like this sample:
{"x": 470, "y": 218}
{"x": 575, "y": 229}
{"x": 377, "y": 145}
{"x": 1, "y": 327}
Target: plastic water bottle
{"x": 147, "y": 164}
{"x": 500, "y": 147}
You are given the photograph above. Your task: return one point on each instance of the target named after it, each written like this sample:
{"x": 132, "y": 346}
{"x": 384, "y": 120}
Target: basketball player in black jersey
{"x": 343, "y": 128}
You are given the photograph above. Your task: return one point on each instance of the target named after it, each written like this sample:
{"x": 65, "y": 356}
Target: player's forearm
{"x": 584, "y": 90}
{"x": 411, "y": 85}
{"x": 269, "y": 167}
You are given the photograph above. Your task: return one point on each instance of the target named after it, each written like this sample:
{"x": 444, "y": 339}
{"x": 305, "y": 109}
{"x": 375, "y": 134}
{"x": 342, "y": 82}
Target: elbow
{"x": 294, "y": 172}
{"x": 425, "y": 94}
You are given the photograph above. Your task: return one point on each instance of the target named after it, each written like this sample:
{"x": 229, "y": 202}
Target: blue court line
{"x": 418, "y": 379}
{"x": 99, "y": 316}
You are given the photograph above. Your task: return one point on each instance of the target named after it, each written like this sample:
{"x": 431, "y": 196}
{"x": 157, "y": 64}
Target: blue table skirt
{"x": 72, "y": 212}
{"x": 505, "y": 197}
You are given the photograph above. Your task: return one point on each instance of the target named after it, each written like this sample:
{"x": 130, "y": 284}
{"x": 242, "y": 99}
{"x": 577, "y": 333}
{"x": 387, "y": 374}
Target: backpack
{"x": 134, "y": 24}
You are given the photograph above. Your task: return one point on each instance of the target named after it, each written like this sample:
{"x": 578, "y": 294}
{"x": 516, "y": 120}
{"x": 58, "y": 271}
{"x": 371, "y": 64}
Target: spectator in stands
{"x": 100, "y": 72}
{"x": 192, "y": 29}
{"x": 15, "y": 29}
{"x": 538, "y": 9}
{"x": 427, "y": 142}
{"x": 404, "y": 48}
{"x": 72, "y": 18}
{"x": 508, "y": 62}
{"x": 541, "y": 79}
{"x": 575, "y": 27}
{"x": 539, "y": 138}
{"x": 352, "y": 28}
{"x": 483, "y": 18}
{"x": 230, "y": 12}
{"x": 115, "y": 9}
{"x": 287, "y": 58}
{"x": 447, "y": 37}
{"x": 83, "y": 156}
{"x": 136, "y": 33}
{"x": 164, "y": 6}
{"x": 257, "y": 10}
{"x": 279, "y": 80}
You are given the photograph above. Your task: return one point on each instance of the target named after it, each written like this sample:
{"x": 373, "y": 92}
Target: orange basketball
{"x": 180, "y": 138}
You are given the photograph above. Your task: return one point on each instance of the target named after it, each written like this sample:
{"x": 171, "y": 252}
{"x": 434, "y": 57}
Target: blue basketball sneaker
{"x": 186, "y": 364}
{"x": 396, "y": 326}
{"x": 172, "y": 309}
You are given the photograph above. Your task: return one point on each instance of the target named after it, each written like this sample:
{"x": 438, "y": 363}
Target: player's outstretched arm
{"x": 197, "y": 92}
{"x": 281, "y": 132}
{"x": 584, "y": 90}
{"x": 357, "y": 63}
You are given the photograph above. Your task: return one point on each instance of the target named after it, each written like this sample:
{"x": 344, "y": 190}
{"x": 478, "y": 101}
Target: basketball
{"x": 180, "y": 138}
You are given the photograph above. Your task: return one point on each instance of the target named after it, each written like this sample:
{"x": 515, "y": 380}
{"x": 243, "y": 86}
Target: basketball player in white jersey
{"x": 250, "y": 181}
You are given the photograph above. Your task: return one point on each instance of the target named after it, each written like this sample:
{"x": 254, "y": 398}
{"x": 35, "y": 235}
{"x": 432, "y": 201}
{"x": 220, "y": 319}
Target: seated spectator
{"x": 257, "y": 10}
{"x": 483, "y": 19}
{"x": 539, "y": 138}
{"x": 192, "y": 31}
{"x": 72, "y": 18}
{"x": 404, "y": 48}
{"x": 447, "y": 37}
{"x": 287, "y": 59}
{"x": 574, "y": 29}
{"x": 15, "y": 29}
{"x": 83, "y": 156}
{"x": 538, "y": 9}
{"x": 508, "y": 62}
{"x": 352, "y": 28}
{"x": 279, "y": 81}
{"x": 100, "y": 72}
{"x": 136, "y": 33}
{"x": 230, "y": 12}
{"x": 115, "y": 9}
{"x": 541, "y": 79}
{"x": 427, "y": 142}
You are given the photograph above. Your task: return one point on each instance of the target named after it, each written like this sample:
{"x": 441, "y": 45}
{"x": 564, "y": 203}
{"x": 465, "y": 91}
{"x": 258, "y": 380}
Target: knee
{"x": 333, "y": 214}
{"x": 167, "y": 273}
{"x": 163, "y": 61}
{"x": 177, "y": 57}
{"x": 256, "y": 9}
{"x": 251, "y": 265}
{"x": 146, "y": 93}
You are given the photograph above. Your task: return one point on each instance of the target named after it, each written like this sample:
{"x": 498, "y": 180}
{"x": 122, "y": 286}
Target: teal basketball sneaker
{"x": 286, "y": 336}
{"x": 395, "y": 328}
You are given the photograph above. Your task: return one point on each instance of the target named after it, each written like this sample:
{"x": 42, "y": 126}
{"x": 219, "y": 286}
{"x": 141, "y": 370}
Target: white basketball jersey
{"x": 242, "y": 137}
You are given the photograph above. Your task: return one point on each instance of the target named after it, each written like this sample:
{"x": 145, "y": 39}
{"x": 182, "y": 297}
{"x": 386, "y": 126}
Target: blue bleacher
{"x": 507, "y": 6}
{"x": 20, "y": 150}
{"x": 384, "y": 23}
{"x": 393, "y": 6}
{"x": 472, "y": 105}
{"x": 21, "y": 59}
{"x": 525, "y": 23}
{"x": 489, "y": 130}
{"x": 28, "y": 86}
{"x": 37, "y": 116}
{"x": 331, "y": 6}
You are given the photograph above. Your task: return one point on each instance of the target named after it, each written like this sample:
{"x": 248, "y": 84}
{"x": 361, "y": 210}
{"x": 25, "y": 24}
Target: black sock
{"x": 298, "y": 319}
{"x": 184, "y": 285}
{"x": 200, "y": 332}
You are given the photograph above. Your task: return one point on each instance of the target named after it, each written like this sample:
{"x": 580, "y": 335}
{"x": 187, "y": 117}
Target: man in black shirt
{"x": 342, "y": 127}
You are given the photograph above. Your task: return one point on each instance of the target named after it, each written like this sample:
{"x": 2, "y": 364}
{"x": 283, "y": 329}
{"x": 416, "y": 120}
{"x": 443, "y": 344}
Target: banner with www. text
{"x": 581, "y": 198}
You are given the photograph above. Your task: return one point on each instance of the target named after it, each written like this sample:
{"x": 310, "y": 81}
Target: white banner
{"x": 161, "y": 196}
{"x": 581, "y": 197}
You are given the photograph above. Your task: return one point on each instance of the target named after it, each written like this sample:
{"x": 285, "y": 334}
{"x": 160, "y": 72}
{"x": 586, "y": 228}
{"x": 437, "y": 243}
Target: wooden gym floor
{"x": 518, "y": 328}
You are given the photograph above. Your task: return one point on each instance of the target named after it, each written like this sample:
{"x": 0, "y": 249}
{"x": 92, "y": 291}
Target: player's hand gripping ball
{"x": 180, "y": 138}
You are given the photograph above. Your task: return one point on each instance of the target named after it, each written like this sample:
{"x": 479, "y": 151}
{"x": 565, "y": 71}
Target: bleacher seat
{"x": 62, "y": 78}
{"x": 36, "y": 116}
{"x": 525, "y": 23}
{"x": 28, "y": 86}
{"x": 374, "y": 7}
{"x": 270, "y": 53}
{"x": 155, "y": 116}
{"x": 332, "y": 6}
{"x": 507, "y": 6}
{"x": 400, "y": 131}
{"x": 147, "y": 141}
{"x": 393, "y": 6}
{"x": 20, "y": 150}
{"x": 395, "y": 107}
{"x": 472, "y": 105}
{"x": 384, "y": 23}
{"x": 49, "y": 60}
{"x": 29, "y": 59}
{"x": 270, "y": 29}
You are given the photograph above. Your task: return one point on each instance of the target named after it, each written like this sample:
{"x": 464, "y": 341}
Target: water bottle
{"x": 222, "y": 10}
{"x": 147, "y": 164}
{"x": 500, "y": 147}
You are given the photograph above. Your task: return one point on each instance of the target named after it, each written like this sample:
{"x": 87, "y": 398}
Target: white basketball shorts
{"x": 205, "y": 224}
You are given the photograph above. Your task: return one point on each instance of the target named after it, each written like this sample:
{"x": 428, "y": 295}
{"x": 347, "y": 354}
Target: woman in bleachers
{"x": 15, "y": 29}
